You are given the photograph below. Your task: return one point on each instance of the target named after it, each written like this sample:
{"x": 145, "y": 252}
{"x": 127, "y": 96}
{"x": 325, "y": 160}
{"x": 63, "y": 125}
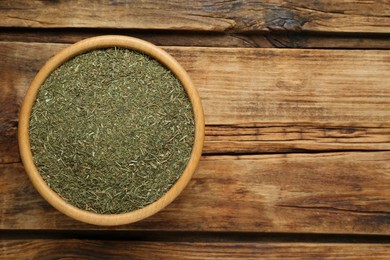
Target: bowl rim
{"x": 101, "y": 42}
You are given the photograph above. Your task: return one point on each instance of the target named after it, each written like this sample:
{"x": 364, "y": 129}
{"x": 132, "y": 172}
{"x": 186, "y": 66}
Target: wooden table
{"x": 297, "y": 103}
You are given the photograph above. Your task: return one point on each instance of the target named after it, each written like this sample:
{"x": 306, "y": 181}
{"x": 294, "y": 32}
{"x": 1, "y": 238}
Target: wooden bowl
{"x": 24, "y": 119}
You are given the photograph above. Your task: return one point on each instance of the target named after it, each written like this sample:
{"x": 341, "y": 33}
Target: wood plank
{"x": 205, "y": 39}
{"x": 260, "y": 138}
{"x": 21, "y": 63}
{"x": 344, "y": 193}
{"x": 227, "y": 16}
{"x": 295, "y": 137}
{"x": 148, "y": 250}
{"x": 255, "y": 85}
{"x": 268, "y": 85}
{"x": 273, "y": 93}
{"x": 47, "y": 249}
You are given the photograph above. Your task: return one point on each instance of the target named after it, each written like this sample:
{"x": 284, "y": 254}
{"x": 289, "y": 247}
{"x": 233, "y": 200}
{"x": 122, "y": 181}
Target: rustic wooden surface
{"x": 297, "y": 155}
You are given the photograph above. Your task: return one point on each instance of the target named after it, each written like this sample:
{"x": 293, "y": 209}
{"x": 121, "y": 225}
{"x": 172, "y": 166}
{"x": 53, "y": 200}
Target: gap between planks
{"x": 304, "y": 40}
{"x": 193, "y": 236}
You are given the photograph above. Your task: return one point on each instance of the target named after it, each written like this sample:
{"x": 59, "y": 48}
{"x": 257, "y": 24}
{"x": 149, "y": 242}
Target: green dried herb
{"x": 111, "y": 130}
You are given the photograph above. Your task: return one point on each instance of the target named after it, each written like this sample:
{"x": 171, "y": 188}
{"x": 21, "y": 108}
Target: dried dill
{"x": 111, "y": 130}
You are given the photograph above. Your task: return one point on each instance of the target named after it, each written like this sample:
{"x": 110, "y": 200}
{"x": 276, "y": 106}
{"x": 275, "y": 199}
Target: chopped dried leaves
{"x": 111, "y": 130}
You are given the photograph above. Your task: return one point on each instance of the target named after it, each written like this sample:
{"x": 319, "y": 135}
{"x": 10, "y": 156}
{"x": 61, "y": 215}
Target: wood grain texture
{"x": 226, "y": 16}
{"x": 296, "y": 137}
{"x": 321, "y": 193}
{"x": 268, "y": 85}
{"x": 297, "y": 141}
{"x": 271, "y": 101}
{"x": 256, "y": 85}
{"x": 255, "y": 100}
{"x": 53, "y": 249}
